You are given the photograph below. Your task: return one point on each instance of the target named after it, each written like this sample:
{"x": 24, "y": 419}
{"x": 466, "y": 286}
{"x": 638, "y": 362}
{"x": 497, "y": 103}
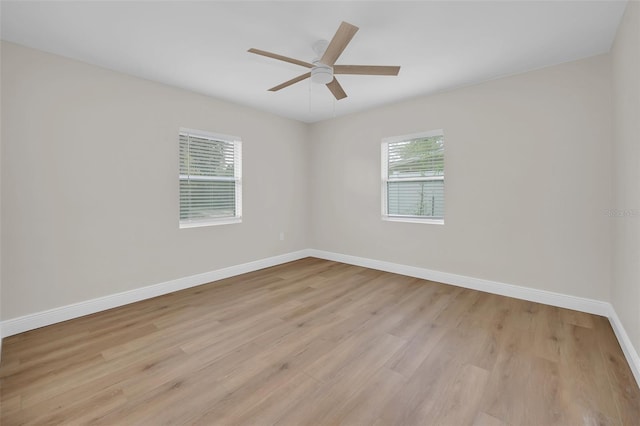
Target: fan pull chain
{"x": 309, "y": 97}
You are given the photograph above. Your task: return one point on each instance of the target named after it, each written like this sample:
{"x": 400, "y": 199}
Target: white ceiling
{"x": 202, "y": 45}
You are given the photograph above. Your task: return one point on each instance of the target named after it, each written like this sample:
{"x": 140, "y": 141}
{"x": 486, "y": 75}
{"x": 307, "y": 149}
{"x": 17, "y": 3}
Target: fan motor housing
{"x": 321, "y": 73}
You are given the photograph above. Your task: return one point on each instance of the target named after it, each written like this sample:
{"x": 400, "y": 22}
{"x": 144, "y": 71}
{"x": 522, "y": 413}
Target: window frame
{"x": 385, "y": 179}
{"x": 237, "y": 178}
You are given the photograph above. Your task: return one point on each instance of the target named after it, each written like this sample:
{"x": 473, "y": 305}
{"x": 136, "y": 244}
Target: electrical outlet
{"x": 281, "y": 236}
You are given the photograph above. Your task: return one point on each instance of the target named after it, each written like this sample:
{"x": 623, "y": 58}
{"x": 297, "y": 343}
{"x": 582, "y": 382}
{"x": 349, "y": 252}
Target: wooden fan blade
{"x": 290, "y": 82}
{"x": 366, "y": 69}
{"x": 280, "y": 57}
{"x": 336, "y": 89}
{"x": 338, "y": 43}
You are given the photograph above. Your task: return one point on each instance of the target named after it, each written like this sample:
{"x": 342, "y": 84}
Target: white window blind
{"x": 210, "y": 179}
{"x": 413, "y": 178}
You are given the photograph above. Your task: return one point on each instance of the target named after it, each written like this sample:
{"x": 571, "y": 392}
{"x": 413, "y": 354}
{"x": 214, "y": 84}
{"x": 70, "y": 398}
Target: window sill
{"x": 413, "y": 220}
{"x": 198, "y": 224}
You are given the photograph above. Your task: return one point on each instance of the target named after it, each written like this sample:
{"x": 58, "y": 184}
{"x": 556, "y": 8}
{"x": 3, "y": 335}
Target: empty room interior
{"x": 308, "y": 213}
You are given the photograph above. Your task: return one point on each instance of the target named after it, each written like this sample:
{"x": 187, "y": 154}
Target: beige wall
{"x": 90, "y": 188}
{"x": 89, "y": 183}
{"x": 1, "y": 238}
{"x": 625, "y": 292}
{"x": 527, "y": 181}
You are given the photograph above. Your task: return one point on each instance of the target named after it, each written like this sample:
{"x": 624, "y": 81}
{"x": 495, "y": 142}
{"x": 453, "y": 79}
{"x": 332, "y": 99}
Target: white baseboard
{"x": 541, "y": 296}
{"x": 64, "y": 313}
{"x": 560, "y": 300}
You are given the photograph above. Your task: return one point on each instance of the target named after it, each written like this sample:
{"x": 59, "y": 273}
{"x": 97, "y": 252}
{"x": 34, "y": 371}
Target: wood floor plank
{"x": 550, "y": 335}
{"x": 367, "y": 406}
{"x": 269, "y": 410}
{"x": 533, "y": 379}
{"x": 407, "y": 360}
{"x": 82, "y": 410}
{"x": 483, "y": 419}
{"x": 425, "y": 387}
{"x": 460, "y": 406}
{"x": 344, "y": 385}
{"x": 585, "y": 371}
{"x": 316, "y": 342}
{"x": 621, "y": 379}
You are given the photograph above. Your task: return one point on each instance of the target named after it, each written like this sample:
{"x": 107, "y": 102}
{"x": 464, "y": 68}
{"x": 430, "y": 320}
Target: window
{"x": 210, "y": 179}
{"x": 413, "y": 178}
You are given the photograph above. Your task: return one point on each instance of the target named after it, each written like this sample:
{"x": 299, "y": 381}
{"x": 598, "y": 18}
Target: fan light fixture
{"x": 321, "y": 73}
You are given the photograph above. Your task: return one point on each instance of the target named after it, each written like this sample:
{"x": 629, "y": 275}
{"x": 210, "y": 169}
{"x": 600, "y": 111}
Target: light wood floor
{"x": 316, "y": 342}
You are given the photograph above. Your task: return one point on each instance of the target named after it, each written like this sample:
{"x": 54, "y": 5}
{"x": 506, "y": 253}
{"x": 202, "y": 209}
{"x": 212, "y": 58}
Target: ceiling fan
{"x": 324, "y": 67}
